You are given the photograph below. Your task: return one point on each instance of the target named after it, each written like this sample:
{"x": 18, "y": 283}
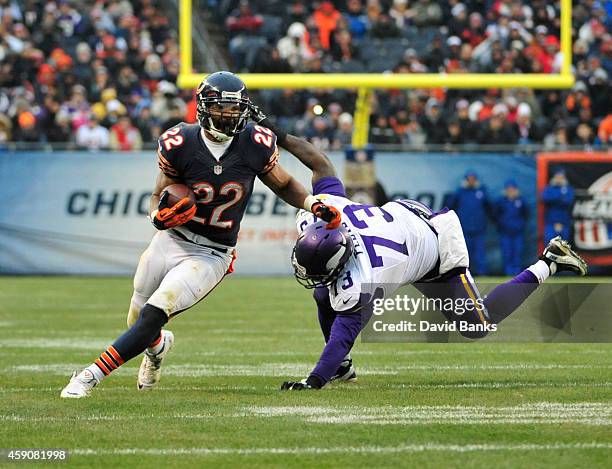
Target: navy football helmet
{"x": 223, "y": 105}
{"x": 319, "y": 255}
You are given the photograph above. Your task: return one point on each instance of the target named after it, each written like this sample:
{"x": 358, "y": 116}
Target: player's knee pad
{"x": 136, "y": 304}
{"x": 132, "y": 315}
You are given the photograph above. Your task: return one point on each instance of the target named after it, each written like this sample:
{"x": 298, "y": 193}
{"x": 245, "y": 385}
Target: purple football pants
{"x": 341, "y": 330}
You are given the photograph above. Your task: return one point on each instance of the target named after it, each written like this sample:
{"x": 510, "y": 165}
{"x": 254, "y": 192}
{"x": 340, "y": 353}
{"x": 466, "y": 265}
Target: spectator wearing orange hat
{"x": 46, "y": 75}
{"x": 26, "y": 128}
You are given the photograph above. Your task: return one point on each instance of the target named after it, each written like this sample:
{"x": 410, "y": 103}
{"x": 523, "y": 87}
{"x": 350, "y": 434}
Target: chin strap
{"x": 220, "y": 136}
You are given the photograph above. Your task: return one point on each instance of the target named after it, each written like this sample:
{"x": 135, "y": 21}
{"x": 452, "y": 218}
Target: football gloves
{"x": 169, "y": 217}
{"x": 327, "y": 213}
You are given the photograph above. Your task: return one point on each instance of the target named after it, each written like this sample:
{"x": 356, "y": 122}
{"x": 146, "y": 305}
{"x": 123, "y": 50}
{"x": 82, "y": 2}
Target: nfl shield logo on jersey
{"x": 218, "y": 169}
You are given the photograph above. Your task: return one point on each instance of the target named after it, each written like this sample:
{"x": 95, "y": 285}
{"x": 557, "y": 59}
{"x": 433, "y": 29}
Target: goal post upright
{"x": 366, "y": 82}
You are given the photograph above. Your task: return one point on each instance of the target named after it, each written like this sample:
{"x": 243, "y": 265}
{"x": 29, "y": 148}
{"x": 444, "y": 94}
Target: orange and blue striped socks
{"x": 108, "y": 361}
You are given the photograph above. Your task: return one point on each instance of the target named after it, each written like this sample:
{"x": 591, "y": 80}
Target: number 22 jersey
{"x": 222, "y": 187}
{"x": 392, "y": 246}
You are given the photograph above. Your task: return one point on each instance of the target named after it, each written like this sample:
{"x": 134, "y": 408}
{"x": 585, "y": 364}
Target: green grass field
{"x": 218, "y": 404}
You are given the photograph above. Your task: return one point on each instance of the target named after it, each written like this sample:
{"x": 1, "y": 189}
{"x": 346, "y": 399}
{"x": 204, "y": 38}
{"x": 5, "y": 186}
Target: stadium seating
{"x": 95, "y": 62}
{"x": 468, "y": 38}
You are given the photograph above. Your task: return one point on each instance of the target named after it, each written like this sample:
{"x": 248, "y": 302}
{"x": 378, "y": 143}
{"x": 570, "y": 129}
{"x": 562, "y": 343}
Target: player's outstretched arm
{"x": 344, "y": 332}
{"x": 285, "y": 186}
{"x": 310, "y": 156}
{"x": 291, "y": 191}
{"x": 306, "y": 152}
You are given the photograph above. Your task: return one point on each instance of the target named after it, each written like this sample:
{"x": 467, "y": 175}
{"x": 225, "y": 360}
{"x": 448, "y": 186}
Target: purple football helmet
{"x": 320, "y": 254}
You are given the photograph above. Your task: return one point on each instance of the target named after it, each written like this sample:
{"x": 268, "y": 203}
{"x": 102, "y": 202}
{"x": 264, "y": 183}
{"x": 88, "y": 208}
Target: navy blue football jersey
{"x": 222, "y": 187}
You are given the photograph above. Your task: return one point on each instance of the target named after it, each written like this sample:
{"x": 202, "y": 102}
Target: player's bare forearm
{"x": 293, "y": 193}
{"x": 285, "y": 186}
{"x": 310, "y": 156}
{"x": 161, "y": 182}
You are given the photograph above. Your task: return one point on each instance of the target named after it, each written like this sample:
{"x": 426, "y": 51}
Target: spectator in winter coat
{"x": 557, "y": 197}
{"x": 511, "y": 216}
{"x": 472, "y": 204}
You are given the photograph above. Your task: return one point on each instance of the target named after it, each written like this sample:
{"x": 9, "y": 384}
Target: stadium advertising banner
{"x": 590, "y": 177}
{"x": 86, "y": 213}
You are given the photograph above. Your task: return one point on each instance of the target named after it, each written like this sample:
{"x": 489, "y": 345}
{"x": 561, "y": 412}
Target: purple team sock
{"x": 505, "y": 298}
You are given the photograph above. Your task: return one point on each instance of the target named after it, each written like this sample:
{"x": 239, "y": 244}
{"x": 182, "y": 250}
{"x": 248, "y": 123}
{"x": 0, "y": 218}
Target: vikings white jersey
{"x": 392, "y": 246}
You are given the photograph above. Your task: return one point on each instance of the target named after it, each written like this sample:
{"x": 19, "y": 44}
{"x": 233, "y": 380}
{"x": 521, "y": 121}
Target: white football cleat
{"x": 150, "y": 368}
{"x": 80, "y": 385}
{"x": 560, "y": 252}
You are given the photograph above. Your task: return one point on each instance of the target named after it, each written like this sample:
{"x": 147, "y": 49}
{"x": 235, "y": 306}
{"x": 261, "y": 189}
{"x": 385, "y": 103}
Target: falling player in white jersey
{"x": 374, "y": 250}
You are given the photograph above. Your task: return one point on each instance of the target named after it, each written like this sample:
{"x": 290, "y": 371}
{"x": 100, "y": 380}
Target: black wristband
{"x": 315, "y": 382}
{"x": 281, "y": 135}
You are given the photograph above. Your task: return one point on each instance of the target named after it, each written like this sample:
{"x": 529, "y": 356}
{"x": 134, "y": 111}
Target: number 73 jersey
{"x": 222, "y": 187}
{"x": 392, "y": 247}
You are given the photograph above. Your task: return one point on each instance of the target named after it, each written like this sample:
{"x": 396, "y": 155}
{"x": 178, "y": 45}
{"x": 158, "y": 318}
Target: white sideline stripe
{"x": 517, "y": 366}
{"x": 45, "y": 343}
{"x": 408, "y": 448}
{"x": 494, "y": 385}
{"x": 539, "y": 413}
{"x": 199, "y": 370}
{"x": 289, "y": 369}
{"x": 585, "y": 413}
{"x": 109, "y": 418}
{"x": 491, "y": 385}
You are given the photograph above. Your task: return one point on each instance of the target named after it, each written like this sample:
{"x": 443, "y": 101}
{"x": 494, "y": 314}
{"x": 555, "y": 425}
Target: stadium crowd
{"x": 101, "y": 74}
{"x": 98, "y": 75}
{"x": 423, "y": 36}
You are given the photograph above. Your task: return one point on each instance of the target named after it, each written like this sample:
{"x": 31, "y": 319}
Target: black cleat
{"x": 561, "y": 254}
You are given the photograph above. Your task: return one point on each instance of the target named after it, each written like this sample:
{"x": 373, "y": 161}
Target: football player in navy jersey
{"x": 219, "y": 158}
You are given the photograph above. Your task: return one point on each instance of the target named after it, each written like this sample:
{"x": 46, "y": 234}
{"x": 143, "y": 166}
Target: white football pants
{"x": 174, "y": 274}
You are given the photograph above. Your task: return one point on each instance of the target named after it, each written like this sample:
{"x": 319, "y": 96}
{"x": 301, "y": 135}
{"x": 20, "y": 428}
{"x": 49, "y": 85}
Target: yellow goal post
{"x": 366, "y": 82}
